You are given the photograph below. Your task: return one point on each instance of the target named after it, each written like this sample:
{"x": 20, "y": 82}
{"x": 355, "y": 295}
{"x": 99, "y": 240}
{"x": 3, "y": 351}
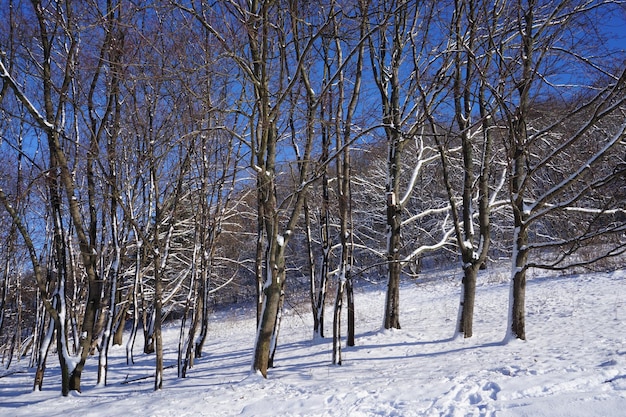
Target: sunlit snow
{"x": 574, "y": 363}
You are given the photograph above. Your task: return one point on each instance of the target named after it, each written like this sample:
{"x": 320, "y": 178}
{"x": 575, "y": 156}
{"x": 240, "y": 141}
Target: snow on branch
{"x": 39, "y": 118}
{"x": 425, "y": 213}
{"x": 444, "y": 241}
{"x": 560, "y": 187}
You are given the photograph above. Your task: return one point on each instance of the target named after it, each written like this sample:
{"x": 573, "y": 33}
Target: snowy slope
{"x": 574, "y": 363}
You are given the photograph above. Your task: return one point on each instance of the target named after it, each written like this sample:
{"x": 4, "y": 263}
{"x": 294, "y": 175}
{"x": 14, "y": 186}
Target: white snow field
{"x": 573, "y": 363}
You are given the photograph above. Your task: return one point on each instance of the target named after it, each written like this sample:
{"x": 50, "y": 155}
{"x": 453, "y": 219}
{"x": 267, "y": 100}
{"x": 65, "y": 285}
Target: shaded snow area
{"x": 574, "y": 363}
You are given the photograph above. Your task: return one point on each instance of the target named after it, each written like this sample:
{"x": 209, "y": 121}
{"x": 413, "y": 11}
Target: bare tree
{"x": 262, "y": 59}
{"x": 402, "y": 65}
{"x": 527, "y": 64}
{"x": 471, "y": 60}
{"x": 58, "y": 39}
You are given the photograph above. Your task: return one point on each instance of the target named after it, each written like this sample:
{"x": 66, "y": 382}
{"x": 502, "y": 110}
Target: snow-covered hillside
{"x": 573, "y": 364}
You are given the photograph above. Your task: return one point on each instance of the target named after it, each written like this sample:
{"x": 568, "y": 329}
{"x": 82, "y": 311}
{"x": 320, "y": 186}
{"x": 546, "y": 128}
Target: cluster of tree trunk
{"x": 153, "y": 158}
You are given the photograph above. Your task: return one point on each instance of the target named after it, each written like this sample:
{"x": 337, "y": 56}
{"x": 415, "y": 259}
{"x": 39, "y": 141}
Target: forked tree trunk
{"x": 193, "y": 305}
{"x": 186, "y": 338}
{"x": 319, "y": 287}
{"x": 314, "y": 292}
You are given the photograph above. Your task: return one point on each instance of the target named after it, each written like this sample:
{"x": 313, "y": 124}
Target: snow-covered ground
{"x": 573, "y": 364}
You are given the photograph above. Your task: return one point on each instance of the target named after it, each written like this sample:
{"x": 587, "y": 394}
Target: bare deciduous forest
{"x": 161, "y": 160}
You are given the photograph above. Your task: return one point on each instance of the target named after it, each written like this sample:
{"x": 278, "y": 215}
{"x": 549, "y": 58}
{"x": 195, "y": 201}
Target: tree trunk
{"x": 312, "y": 276}
{"x": 350, "y": 339}
{"x": 158, "y": 340}
{"x": 337, "y": 322}
{"x": 392, "y": 305}
{"x": 520, "y": 224}
{"x": 259, "y": 261}
{"x": 45, "y": 339}
{"x": 68, "y": 378}
{"x": 135, "y": 291}
{"x": 202, "y": 313}
{"x": 518, "y": 325}
{"x": 470, "y": 273}
{"x": 319, "y": 287}
{"x": 5, "y": 274}
{"x": 267, "y": 324}
{"x": 279, "y": 316}
{"x": 517, "y": 314}
{"x": 160, "y": 257}
{"x": 186, "y": 338}
{"x": 118, "y": 334}
{"x": 112, "y": 311}
{"x": 148, "y": 331}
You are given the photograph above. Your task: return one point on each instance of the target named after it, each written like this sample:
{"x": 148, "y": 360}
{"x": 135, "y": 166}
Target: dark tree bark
{"x": 387, "y": 77}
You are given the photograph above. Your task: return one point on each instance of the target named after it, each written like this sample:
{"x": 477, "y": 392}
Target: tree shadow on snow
{"x": 298, "y": 355}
